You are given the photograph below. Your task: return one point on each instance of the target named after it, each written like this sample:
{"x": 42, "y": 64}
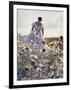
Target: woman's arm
{"x": 32, "y": 27}
{"x": 42, "y": 31}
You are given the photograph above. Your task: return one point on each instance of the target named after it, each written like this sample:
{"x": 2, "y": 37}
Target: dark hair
{"x": 39, "y": 18}
{"x": 61, "y": 37}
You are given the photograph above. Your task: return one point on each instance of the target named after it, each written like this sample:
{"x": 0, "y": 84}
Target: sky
{"x": 52, "y": 21}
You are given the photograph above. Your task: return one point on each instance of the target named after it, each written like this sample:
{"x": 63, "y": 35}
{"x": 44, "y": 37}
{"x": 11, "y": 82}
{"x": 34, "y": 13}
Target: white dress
{"x": 36, "y": 35}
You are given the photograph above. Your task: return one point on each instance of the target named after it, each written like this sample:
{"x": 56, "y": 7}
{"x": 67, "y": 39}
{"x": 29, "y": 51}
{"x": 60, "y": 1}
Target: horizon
{"x": 44, "y": 37}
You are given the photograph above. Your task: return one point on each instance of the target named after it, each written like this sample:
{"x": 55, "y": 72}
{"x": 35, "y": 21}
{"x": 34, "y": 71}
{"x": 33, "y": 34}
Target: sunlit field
{"x": 34, "y": 63}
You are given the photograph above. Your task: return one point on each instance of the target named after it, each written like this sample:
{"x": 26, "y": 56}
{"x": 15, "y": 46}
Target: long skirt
{"x": 36, "y": 39}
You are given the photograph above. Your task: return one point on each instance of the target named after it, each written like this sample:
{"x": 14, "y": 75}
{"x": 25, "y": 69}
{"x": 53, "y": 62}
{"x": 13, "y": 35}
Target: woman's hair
{"x": 61, "y": 37}
{"x": 39, "y": 18}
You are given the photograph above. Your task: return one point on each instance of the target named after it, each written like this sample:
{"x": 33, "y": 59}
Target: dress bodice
{"x": 38, "y": 27}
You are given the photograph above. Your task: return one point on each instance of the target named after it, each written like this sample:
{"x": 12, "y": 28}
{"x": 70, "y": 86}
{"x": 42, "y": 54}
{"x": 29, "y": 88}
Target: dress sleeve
{"x": 33, "y": 24}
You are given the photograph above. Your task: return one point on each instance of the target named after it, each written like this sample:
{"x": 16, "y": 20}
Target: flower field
{"x": 34, "y": 63}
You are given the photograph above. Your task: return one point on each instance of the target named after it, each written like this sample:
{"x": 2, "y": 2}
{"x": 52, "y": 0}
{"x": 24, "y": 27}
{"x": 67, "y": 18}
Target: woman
{"x": 37, "y": 33}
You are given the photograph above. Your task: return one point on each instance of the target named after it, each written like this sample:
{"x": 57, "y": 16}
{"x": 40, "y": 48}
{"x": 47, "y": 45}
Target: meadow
{"x": 34, "y": 63}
